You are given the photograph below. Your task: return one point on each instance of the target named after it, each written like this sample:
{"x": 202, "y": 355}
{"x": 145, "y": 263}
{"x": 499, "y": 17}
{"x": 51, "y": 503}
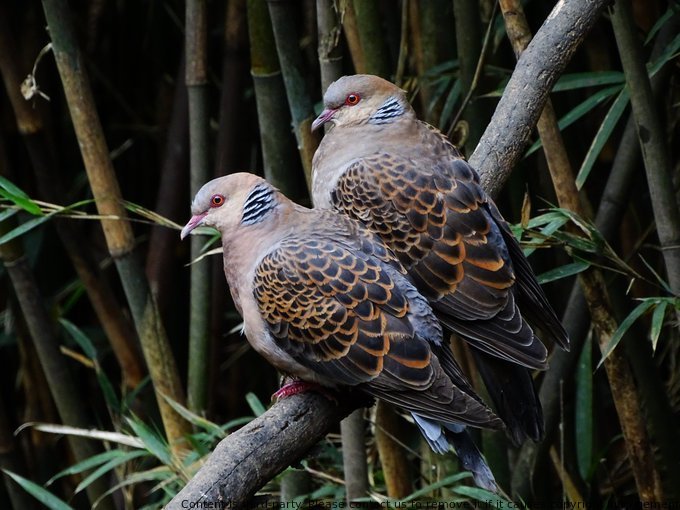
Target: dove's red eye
{"x": 216, "y": 200}
{"x": 352, "y": 99}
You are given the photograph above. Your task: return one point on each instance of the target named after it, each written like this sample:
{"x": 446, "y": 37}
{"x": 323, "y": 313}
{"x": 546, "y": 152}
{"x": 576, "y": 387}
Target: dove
{"x": 325, "y": 301}
{"x": 405, "y": 181}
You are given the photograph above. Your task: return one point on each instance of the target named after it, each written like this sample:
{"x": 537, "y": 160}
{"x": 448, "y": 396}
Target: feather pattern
{"x": 406, "y": 182}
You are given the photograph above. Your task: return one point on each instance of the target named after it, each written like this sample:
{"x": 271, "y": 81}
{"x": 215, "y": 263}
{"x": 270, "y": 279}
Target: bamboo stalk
{"x": 31, "y": 128}
{"x": 330, "y": 56}
{"x": 620, "y": 378}
{"x": 369, "y": 29}
{"x": 62, "y": 387}
{"x": 349, "y": 27}
{"x": 171, "y": 197}
{"x": 392, "y": 455}
{"x": 117, "y": 232}
{"x": 652, "y": 136}
{"x": 199, "y": 311}
{"x": 276, "y": 139}
{"x": 282, "y": 16}
{"x": 469, "y": 44}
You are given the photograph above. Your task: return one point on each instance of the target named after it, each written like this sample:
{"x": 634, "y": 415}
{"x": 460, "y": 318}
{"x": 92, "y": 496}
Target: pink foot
{"x": 298, "y": 386}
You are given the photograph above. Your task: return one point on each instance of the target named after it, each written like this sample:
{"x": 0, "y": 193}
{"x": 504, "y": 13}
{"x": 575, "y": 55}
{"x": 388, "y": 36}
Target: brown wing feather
{"x": 347, "y": 315}
{"x": 436, "y": 219}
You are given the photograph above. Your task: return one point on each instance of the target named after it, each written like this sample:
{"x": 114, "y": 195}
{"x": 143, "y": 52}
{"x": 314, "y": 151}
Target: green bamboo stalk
{"x": 277, "y": 142}
{"x": 469, "y": 44}
{"x": 652, "y": 136}
{"x": 330, "y": 56}
{"x": 621, "y": 382}
{"x": 31, "y": 128}
{"x": 369, "y": 28}
{"x": 349, "y": 27}
{"x": 429, "y": 30}
{"x": 282, "y": 14}
{"x": 197, "y": 90}
{"x": 62, "y": 386}
{"x": 117, "y": 232}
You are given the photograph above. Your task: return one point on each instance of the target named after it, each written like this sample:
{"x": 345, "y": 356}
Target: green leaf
{"x": 668, "y": 53}
{"x": 15, "y": 194}
{"x": 660, "y": 23}
{"x": 493, "y": 500}
{"x": 40, "y": 493}
{"x": 25, "y": 227}
{"x": 603, "y": 133}
{"x": 623, "y": 327}
{"x": 88, "y": 463}
{"x": 583, "y": 80}
{"x": 579, "y": 111}
{"x": 563, "y": 271}
{"x": 194, "y": 419}
{"x": 153, "y": 443}
{"x": 657, "y": 323}
{"x": 451, "y": 101}
{"x": 81, "y": 338}
{"x": 445, "y": 482}
{"x": 255, "y": 404}
{"x": 583, "y": 428}
{"x": 105, "y": 468}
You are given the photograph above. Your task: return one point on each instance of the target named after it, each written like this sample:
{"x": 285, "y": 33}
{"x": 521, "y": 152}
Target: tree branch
{"x": 254, "y": 454}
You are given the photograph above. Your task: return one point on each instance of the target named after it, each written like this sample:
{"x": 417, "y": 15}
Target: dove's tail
{"x": 441, "y": 436}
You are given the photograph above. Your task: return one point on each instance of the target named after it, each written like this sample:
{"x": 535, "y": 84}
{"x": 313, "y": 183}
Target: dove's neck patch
{"x": 258, "y": 204}
{"x": 388, "y": 111}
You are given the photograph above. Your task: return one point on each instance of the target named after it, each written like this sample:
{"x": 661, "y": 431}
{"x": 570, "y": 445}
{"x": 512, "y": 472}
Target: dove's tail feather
{"x": 441, "y": 436}
{"x": 512, "y": 391}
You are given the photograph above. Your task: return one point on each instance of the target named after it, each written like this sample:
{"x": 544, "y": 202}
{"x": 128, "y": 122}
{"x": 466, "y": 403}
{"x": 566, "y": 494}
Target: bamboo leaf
{"x": 108, "y": 466}
{"x": 16, "y": 195}
{"x": 657, "y": 323}
{"x": 152, "y": 441}
{"x": 583, "y": 428}
{"x": 40, "y": 493}
{"x": 450, "y": 103}
{"x": 89, "y": 463}
{"x": 489, "y": 498}
{"x": 563, "y": 272}
{"x": 101, "y": 435}
{"x": 583, "y": 80}
{"x": 81, "y": 338}
{"x": 445, "y": 482}
{"x": 603, "y": 133}
{"x": 194, "y": 419}
{"x": 579, "y": 111}
{"x": 255, "y": 404}
{"x": 623, "y": 327}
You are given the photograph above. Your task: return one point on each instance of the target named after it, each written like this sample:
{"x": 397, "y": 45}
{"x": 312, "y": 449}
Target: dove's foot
{"x": 298, "y": 386}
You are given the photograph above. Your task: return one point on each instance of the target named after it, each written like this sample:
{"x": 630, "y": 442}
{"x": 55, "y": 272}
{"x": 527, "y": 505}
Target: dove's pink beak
{"x": 194, "y": 222}
{"x": 324, "y": 117}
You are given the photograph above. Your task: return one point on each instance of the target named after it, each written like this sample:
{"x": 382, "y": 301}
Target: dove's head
{"x": 360, "y": 99}
{"x": 231, "y": 201}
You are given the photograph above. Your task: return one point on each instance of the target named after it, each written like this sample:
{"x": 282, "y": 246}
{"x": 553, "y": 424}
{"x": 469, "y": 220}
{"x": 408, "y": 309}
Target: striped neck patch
{"x": 389, "y": 110}
{"x": 258, "y": 204}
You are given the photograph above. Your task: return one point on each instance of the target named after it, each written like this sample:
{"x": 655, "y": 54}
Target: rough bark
{"x": 253, "y": 455}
